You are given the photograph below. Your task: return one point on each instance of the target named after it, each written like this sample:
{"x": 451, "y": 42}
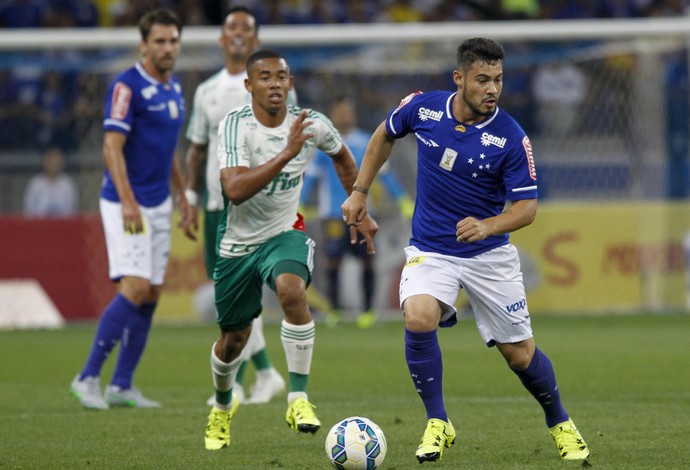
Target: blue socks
{"x": 133, "y": 343}
{"x": 108, "y": 333}
{"x": 424, "y": 361}
{"x": 125, "y": 322}
{"x": 540, "y": 380}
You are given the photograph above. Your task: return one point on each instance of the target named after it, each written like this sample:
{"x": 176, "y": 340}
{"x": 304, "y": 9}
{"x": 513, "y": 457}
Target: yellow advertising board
{"x": 577, "y": 258}
{"x": 186, "y": 272}
{"x": 606, "y": 257}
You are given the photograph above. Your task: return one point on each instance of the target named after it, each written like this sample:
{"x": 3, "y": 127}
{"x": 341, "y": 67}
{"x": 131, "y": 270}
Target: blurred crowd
{"x": 103, "y": 13}
{"x": 53, "y": 100}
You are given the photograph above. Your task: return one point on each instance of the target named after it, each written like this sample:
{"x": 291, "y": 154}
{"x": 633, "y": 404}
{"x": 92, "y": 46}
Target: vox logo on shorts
{"x": 415, "y": 260}
{"x": 517, "y": 306}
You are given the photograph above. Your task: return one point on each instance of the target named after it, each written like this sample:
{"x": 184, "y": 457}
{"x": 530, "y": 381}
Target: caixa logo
{"x": 517, "y": 306}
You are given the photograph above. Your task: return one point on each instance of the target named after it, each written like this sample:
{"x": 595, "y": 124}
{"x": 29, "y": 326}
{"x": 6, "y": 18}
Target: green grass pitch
{"x": 625, "y": 380}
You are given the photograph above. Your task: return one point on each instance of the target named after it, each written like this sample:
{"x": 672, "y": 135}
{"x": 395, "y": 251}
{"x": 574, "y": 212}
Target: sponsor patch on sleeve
{"x": 407, "y": 99}
{"x": 122, "y": 96}
{"x": 530, "y": 158}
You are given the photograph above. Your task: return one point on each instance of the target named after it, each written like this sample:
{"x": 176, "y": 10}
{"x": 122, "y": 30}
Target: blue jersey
{"x": 462, "y": 170}
{"x": 331, "y": 192}
{"x": 150, "y": 114}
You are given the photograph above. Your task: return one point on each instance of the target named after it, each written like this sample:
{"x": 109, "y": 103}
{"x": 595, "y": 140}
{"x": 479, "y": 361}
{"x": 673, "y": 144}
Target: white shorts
{"x": 492, "y": 280}
{"x": 144, "y": 254}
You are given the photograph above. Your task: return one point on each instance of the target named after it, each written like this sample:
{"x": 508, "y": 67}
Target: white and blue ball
{"x": 356, "y": 443}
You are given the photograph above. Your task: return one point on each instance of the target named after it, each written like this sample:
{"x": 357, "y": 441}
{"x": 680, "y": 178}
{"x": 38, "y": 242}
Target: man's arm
{"x": 113, "y": 144}
{"x": 346, "y": 169}
{"x": 189, "y": 217}
{"x": 241, "y": 183}
{"x": 518, "y": 214}
{"x": 195, "y": 161}
{"x": 378, "y": 150}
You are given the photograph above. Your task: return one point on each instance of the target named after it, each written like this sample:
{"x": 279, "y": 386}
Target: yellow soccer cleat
{"x": 570, "y": 444}
{"x": 438, "y": 435}
{"x": 218, "y": 427}
{"x": 366, "y": 320}
{"x": 300, "y": 416}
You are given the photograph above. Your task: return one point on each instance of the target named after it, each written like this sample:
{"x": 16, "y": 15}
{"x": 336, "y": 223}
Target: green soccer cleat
{"x": 300, "y": 416}
{"x": 128, "y": 397}
{"x": 438, "y": 434}
{"x": 218, "y": 428}
{"x": 570, "y": 444}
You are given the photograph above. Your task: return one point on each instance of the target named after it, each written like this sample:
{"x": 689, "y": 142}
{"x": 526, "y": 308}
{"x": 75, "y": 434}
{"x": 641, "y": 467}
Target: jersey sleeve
{"x": 119, "y": 106}
{"x": 398, "y": 123}
{"x": 199, "y": 125}
{"x": 328, "y": 139}
{"x": 232, "y": 142}
{"x": 520, "y": 175}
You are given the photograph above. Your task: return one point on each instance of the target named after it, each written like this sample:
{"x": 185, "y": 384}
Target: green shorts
{"x": 211, "y": 221}
{"x": 239, "y": 281}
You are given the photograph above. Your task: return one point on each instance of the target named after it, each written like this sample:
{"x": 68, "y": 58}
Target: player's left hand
{"x": 189, "y": 222}
{"x": 368, "y": 228}
{"x": 470, "y": 230}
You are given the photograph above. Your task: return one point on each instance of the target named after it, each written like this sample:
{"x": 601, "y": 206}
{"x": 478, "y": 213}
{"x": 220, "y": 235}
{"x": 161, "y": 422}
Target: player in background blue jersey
{"x": 476, "y": 183}
{"x": 322, "y": 175}
{"x": 144, "y": 112}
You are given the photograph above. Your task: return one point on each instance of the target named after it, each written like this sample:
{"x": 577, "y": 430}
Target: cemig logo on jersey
{"x": 488, "y": 139}
{"x": 425, "y": 113}
{"x": 530, "y": 158}
{"x": 407, "y": 99}
{"x": 122, "y": 96}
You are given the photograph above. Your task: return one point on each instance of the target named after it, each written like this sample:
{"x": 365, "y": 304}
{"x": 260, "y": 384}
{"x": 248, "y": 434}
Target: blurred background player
{"x": 144, "y": 113}
{"x": 52, "y": 193}
{"x": 331, "y": 194}
{"x": 213, "y": 99}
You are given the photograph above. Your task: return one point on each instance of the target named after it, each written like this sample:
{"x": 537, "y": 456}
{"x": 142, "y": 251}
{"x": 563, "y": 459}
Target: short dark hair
{"x": 243, "y": 9}
{"x": 478, "y": 50}
{"x": 261, "y": 55}
{"x": 158, "y": 16}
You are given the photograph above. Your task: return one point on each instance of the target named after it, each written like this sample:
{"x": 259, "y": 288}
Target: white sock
{"x": 298, "y": 343}
{"x": 223, "y": 374}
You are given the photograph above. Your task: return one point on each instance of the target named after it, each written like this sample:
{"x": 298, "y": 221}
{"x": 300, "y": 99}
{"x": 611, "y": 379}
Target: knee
{"x": 419, "y": 321}
{"x": 518, "y": 358}
{"x": 230, "y": 345}
{"x": 138, "y": 291}
{"x": 518, "y": 362}
{"x": 422, "y": 313}
{"x": 291, "y": 292}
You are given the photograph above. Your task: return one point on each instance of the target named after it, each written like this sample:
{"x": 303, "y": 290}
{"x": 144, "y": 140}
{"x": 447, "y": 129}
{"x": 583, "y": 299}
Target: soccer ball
{"x": 356, "y": 443}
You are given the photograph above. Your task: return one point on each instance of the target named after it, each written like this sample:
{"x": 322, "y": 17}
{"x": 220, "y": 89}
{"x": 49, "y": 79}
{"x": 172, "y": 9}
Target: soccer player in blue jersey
{"x": 263, "y": 150}
{"x": 322, "y": 175}
{"x": 144, "y": 112}
{"x": 476, "y": 183}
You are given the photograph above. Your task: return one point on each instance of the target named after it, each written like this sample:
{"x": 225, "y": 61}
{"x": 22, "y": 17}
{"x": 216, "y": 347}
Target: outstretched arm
{"x": 346, "y": 169}
{"x": 379, "y": 149}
